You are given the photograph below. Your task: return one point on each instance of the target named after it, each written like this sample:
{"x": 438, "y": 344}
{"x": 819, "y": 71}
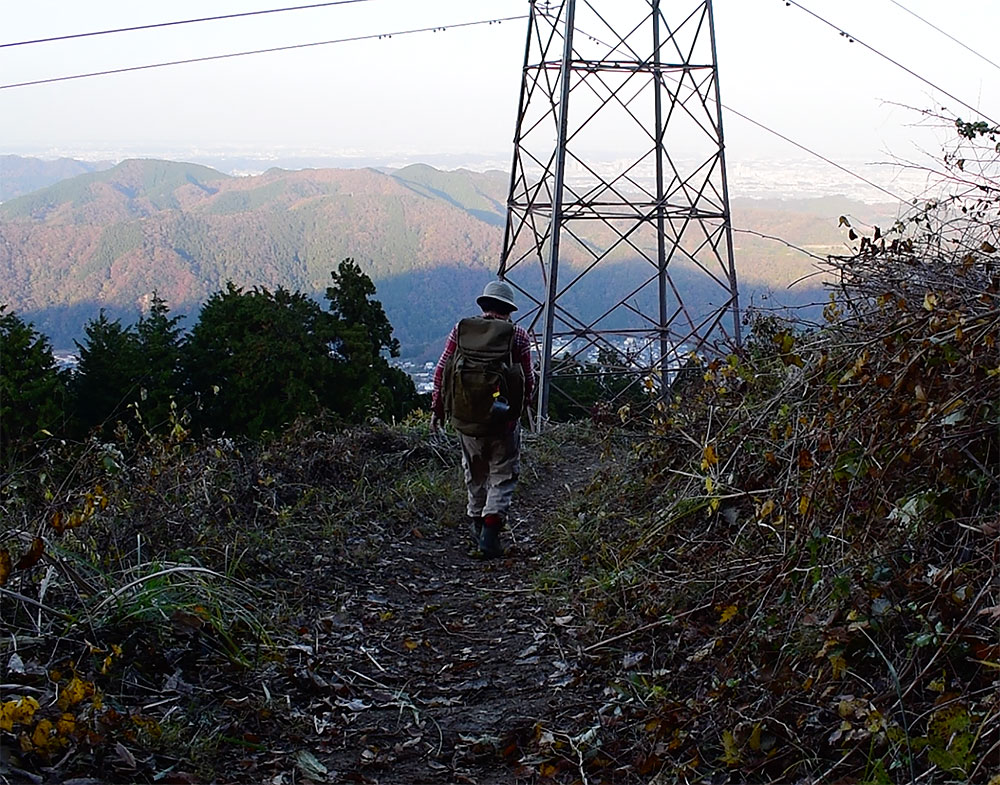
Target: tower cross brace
{"x": 618, "y": 230}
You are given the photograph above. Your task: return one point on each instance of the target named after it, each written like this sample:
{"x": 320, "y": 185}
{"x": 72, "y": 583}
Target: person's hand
{"x": 435, "y": 422}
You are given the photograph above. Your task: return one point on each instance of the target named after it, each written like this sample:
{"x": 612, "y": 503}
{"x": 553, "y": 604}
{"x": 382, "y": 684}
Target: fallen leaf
{"x": 730, "y": 750}
{"x": 356, "y": 704}
{"x": 32, "y": 555}
{"x": 310, "y": 765}
{"x": 728, "y": 613}
{"x": 74, "y": 692}
{"x": 703, "y": 652}
{"x": 42, "y": 735}
{"x": 126, "y": 757}
{"x": 5, "y": 565}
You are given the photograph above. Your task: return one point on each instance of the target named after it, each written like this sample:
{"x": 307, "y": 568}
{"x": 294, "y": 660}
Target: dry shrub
{"x": 812, "y": 573}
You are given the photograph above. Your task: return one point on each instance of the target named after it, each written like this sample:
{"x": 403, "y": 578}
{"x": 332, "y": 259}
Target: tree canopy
{"x": 32, "y": 390}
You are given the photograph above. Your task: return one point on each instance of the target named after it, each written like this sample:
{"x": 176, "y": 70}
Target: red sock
{"x": 492, "y": 520}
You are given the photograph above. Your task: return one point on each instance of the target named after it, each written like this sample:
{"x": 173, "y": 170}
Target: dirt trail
{"x": 435, "y": 667}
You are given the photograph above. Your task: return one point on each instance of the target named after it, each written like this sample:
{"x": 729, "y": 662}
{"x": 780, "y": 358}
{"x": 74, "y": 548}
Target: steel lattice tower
{"x": 633, "y": 259}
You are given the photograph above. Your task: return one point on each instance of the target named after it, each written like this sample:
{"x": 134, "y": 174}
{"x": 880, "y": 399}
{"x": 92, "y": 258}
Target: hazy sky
{"x": 456, "y": 91}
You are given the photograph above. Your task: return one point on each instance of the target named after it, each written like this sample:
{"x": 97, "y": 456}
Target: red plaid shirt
{"x": 522, "y": 354}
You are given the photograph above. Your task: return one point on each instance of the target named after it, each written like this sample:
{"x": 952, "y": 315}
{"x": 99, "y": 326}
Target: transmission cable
{"x": 179, "y": 22}
{"x": 853, "y": 38}
{"x": 812, "y": 152}
{"x": 945, "y": 34}
{"x": 208, "y": 58}
{"x": 781, "y": 136}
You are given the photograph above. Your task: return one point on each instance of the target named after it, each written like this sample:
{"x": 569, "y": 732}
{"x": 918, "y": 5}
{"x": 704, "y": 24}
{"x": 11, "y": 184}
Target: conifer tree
{"x": 32, "y": 389}
{"x": 109, "y": 376}
{"x": 160, "y": 343}
{"x": 257, "y": 359}
{"x": 369, "y": 385}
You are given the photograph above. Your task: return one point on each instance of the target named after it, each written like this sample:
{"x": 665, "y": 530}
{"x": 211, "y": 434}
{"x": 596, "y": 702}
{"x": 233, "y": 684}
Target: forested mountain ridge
{"x": 428, "y": 238}
{"x": 110, "y": 238}
{"x": 20, "y": 175}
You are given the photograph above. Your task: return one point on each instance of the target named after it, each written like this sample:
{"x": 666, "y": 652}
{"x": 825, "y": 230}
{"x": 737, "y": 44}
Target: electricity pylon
{"x": 618, "y": 225}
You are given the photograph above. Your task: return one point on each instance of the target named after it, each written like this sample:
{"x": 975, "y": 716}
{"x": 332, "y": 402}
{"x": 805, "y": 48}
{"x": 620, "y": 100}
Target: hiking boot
{"x": 475, "y": 528}
{"x": 489, "y": 537}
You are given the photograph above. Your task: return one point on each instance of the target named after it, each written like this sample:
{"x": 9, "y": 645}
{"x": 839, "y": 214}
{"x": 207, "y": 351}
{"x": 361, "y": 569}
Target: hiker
{"x": 482, "y": 383}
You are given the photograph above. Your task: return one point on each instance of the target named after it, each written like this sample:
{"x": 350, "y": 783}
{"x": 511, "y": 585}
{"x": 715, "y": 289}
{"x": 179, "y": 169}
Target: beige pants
{"x": 491, "y": 464}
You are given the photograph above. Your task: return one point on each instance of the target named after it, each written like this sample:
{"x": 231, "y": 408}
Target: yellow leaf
{"x": 804, "y": 504}
{"x": 730, "y": 751}
{"x": 73, "y": 693}
{"x": 66, "y": 724}
{"x": 40, "y": 738}
{"x": 410, "y": 644}
{"x": 766, "y": 509}
{"x": 930, "y": 301}
{"x": 709, "y": 457}
{"x": 755, "y": 738}
{"x": 709, "y": 485}
{"x": 17, "y": 712}
{"x": 839, "y": 665}
{"x": 6, "y": 720}
{"x": 728, "y": 613}
{"x": 24, "y": 710}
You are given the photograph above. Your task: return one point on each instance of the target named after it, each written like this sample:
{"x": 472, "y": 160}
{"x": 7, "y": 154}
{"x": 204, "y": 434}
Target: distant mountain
{"x": 428, "y": 238}
{"x": 19, "y": 176}
{"x": 110, "y": 238}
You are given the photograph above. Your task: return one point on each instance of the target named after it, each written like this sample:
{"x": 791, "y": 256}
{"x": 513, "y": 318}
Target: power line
{"x": 260, "y": 51}
{"x": 812, "y": 152}
{"x": 853, "y": 38}
{"x": 946, "y": 35}
{"x": 781, "y": 136}
{"x": 179, "y": 22}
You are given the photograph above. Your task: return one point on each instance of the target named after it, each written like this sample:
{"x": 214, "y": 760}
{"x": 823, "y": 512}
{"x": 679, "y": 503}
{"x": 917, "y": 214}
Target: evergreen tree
{"x": 160, "y": 342}
{"x": 368, "y": 385}
{"x": 256, "y": 360}
{"x": 349, "y": 304}
{"x": 109, "y": 376}
{"x": 32, "y": 389}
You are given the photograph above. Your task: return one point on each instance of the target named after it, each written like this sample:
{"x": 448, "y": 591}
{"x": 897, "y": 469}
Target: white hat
{"x": 497, "y": 291}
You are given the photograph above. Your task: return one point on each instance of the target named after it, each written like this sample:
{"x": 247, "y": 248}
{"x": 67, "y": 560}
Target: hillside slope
{"x": 427, "y": 238}
{"x": 20, "y": 175}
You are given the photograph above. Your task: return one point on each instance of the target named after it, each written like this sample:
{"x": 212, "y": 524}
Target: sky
{"x": 455, "y": 91}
